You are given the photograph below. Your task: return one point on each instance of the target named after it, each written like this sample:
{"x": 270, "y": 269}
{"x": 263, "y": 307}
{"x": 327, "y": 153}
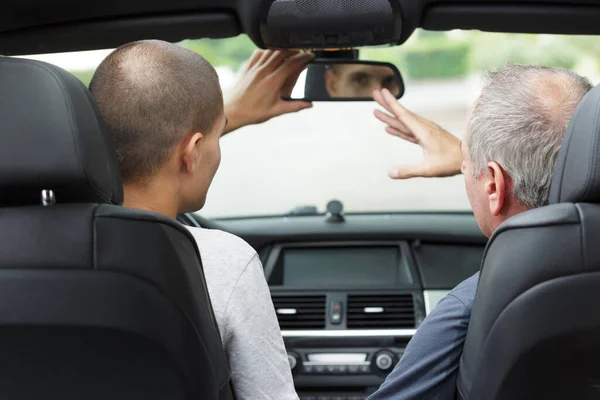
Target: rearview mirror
{"x": 346, "y": 80}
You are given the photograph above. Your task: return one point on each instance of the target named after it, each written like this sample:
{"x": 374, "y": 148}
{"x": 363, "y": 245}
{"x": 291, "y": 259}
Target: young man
{"x": 514, "y": 133}
{"x": 164, "y": 109}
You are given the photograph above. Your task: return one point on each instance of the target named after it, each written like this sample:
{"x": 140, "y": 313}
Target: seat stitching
{"x": 581, "y": 239}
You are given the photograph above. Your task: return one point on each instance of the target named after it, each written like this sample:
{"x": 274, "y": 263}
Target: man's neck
{"x": 157, "y": 196}
{"x": 511, "y": 209}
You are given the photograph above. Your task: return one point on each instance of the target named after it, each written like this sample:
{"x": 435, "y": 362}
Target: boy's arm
{"x": 252, "y": 340}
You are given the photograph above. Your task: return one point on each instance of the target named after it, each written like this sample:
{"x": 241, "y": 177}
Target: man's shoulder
{"x": 428, "y": 368}
{"x": 465, "y": 291}
{"x": 222, "y": 250}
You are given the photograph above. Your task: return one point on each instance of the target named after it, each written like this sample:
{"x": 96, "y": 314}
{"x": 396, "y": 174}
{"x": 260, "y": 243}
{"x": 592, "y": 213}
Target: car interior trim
{"x": 106, "y": 34}
{"x": 456, "y": 228}
{"x": 348, "y": 333}
{"x": 432, "y": 298}
{"x": 532, "y": 18}
{"x": 188, "y": 220}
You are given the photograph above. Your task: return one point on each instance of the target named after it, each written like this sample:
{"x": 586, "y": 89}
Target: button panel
{"x": 336, "y": 312}
{"x": 336, "y": 369}
{"x": 333, "y": 397}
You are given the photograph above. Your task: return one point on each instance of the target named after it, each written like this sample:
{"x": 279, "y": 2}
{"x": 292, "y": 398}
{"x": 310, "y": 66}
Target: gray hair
{"x": 519, "y": 122}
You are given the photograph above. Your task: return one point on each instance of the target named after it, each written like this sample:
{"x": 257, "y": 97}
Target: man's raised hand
{"x": 442, "y": 155}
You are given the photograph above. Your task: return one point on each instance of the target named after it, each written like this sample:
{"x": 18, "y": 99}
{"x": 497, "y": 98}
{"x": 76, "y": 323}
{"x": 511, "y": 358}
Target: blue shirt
{"x": 429, "y": 366}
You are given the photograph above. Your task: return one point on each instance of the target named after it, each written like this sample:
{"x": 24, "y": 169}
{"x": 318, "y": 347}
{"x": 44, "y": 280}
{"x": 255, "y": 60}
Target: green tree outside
{"x": 84, "y": 76}
{"x": 231, "y": 52}
{"x": 436, "y": 55}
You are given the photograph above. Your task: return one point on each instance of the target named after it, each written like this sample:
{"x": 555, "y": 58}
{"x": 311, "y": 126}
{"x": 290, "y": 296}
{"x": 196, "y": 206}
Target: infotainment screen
{"x": 310, "y": 267}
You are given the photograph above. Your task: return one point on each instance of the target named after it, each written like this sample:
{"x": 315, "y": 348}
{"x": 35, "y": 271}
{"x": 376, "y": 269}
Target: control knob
{"x": 385, "y": 360}
{"x": 293, "y": 360}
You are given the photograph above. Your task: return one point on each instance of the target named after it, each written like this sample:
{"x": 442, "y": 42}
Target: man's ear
{"x": 495, "y": 186}
{"x": 190, "y": 152}
{"x": 330, "y": 82}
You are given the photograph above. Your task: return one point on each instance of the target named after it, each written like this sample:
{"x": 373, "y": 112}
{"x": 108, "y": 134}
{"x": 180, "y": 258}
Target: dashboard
{"x": 349, "y": 295}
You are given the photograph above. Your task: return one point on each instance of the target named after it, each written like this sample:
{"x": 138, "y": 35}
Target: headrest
{"x": 577, "y": 172}
{"x": 52, "y": 137}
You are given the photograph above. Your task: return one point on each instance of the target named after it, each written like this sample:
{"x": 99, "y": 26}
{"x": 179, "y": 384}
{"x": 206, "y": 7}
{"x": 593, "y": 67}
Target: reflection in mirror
{"x": 359, "y": 80}
{"x": 337, "y": 80}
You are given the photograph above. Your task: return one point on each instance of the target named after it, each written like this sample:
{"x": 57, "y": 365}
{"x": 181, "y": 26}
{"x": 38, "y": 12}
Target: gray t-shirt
{"x": 429, "y": 366}
{"x": 246, "y": 317}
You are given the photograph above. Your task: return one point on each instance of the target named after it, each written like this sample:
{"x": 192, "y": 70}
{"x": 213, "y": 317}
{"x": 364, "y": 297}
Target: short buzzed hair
{"x": 152, "y": 94}
{"x": 519, "y": 121}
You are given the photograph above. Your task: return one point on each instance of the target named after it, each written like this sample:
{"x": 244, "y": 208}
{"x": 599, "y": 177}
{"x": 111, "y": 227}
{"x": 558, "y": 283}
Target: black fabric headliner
{"x": 39, "y": 26}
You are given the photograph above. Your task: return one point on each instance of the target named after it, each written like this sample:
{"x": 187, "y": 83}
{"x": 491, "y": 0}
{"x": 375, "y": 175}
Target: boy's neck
{"x": 155, "y": 196}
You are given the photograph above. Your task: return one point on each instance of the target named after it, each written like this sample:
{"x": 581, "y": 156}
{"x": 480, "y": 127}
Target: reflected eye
{"x": 390, "y": 84}
{"x": 360, "y": 79}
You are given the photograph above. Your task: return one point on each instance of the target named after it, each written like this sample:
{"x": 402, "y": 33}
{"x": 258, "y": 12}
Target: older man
{"x": 512, "y": 141}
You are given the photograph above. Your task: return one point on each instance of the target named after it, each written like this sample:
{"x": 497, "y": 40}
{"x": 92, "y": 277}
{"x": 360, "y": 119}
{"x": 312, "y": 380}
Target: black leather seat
{"x": 97, "y": 301}
{"x": 535, "y": 327}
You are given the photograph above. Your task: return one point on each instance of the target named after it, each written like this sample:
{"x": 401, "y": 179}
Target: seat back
{"x": 535, "y": 327}
{"x": 97, "y": 301}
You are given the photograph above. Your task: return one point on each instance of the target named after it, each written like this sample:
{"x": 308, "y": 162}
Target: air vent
{"x": 381, "y": 311}
{"x": 300, "y": 312}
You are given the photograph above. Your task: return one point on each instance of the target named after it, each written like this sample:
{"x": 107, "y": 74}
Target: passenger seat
{"x": 535, "y": 328}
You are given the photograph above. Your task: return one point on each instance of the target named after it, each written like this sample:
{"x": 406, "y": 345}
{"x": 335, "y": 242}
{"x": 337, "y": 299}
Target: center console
{"x": 346, "y": 310}
{"x": 345, "y": 371}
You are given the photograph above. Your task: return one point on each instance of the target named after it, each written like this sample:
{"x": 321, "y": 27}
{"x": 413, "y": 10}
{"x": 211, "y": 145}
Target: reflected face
{"x": 360, "y": 80}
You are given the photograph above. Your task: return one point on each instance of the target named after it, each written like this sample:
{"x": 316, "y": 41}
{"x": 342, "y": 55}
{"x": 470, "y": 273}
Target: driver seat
{"x": 535, "y": 327}
{"x": 97, "y": 301}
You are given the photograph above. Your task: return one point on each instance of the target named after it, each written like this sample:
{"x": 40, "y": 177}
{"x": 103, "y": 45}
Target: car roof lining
{"x": 39, "y": 26}
{"x": 111, "y": 33}
{"x": 549, "y": 18}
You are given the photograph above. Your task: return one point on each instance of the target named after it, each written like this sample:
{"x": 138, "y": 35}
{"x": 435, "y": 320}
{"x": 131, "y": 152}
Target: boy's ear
{"x": 190, "y": 154}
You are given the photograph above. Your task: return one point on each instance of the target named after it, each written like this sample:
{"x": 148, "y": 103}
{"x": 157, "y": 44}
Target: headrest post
{"x": 48, "y": 198}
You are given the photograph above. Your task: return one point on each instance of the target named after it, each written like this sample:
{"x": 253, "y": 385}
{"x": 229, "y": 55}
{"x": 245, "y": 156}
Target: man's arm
{"x": 429, "y": 366}
{"x": 442, "y": 155}
{"x": 257, "y": 357}
{"x": 267, "y": 76}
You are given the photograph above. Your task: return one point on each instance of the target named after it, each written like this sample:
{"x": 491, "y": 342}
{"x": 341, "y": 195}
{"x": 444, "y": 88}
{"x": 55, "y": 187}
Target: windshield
{"x": 339, "y": 150}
